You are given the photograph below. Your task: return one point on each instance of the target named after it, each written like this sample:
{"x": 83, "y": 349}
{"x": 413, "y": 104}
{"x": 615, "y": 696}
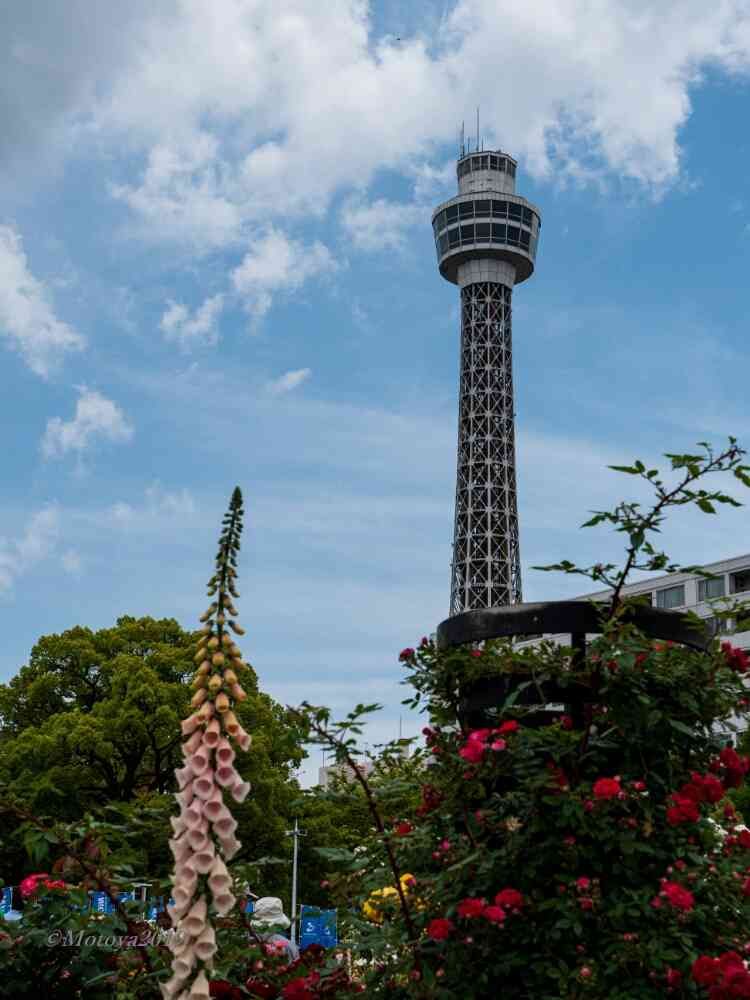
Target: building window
{"x": 514, "y": 234}
{"x": 526, "y": 216}
{"x": 493, "y": 163}
{"x": 500, "y": 209}
{"x": 708, "y": 589}
{"x": 524, "y": 239}
{"x": 483, "y": 231}
{"x": 451, "y": 214}
{"x": 443, "y": 243}
{"x": 498, "y": 233}
{"x": 482, "y": 207}
{"x": 453, "y": 238}
{"x": 503, "y": 164}
{"x": 467, "y": 234}
{"x": 740, "y": 581}
{"x": 671, "y": 597}
{"x": 514, "y": 211}
{"x": 466, "y": 210}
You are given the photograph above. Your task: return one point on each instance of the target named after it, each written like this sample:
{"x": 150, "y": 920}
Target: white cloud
{"x": 26, "y": 316}
{"x": 71, "y": 562}
{"x": 277, "y": 264}
{"x": 38, "y": 541}
{"x": 198, "y": 330}
{"x": 163, "y": 502}
{"x": 309, "y": 103}
{"x": 158, "y": 504}
{"x": 382, "y": 224}
{"x": 288, "y": 381}
{"x": 95, "y": 417}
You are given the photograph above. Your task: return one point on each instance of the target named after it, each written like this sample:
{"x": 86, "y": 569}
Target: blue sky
{"x": 216, "y": 268}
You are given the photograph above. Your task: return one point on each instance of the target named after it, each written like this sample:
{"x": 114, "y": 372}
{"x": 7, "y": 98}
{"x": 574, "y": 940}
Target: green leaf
{"x": 681, "y": 727}
{"x": 705, "y": 505}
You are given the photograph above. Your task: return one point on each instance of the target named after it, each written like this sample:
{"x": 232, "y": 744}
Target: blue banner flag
{"x": 101, "y": 903}
{"x": 317, "y": 927}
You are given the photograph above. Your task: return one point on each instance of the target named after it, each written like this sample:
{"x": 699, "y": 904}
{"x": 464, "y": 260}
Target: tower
{"x": 486, "y": 239}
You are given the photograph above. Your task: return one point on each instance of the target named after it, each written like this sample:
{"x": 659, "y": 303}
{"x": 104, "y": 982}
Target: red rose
{"x": 439, "y": 929}
{"x": 511, "y": 726}
{"x": 706, "y": 971}
{"x": 479, "y": 735}
{"x": 743, "y": 839}
{"x": 674, "y": 977}
{"x": 406, "y": 654}
{"x": 472, "y": 751}
{"x": 566, "y": 721}
{"x": 402, "y": 829}
{"x": 583, "y": 883}
{"x": 606, "y": 788}
{"x": 471, "y": 907}
{"x": 495, "y": 914}
{"x": 510, "y": 899}
{"x": 298, "y": 989}
{"x": 677, "y": 896}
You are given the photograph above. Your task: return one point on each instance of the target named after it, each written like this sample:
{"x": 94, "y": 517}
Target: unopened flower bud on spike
{"x": 222, "y": 702}
{"x": 220, "y": 619}
{"x": 213, "y": 642}
{"x": 217, "y": 659}
{"x": 231, "y": 725}
{"x": 198, "y": 698}
{"x": 199, "y": 681}
{"x": 236, "y": 628}
{"x": 215, "y": 683}
{"x": 238, "y": 693}
{"x": 226, "y": 640}
{"x": 230, "y": 677}
{"x": 199, "y": 655}
{"x": 204, "y": 667}
{"x": 206, "y": 630}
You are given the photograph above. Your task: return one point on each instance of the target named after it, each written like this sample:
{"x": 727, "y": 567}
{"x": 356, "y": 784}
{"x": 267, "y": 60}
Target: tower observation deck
{"x": 486, "y": 239}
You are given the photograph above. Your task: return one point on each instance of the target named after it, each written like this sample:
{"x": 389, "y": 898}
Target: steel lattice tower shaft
{"x": 486, "y": 243}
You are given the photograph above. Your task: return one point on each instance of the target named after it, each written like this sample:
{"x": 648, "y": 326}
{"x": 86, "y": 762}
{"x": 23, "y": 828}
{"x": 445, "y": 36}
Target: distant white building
{"x": 331, "y": 772}
{"x": 689, "y": 592}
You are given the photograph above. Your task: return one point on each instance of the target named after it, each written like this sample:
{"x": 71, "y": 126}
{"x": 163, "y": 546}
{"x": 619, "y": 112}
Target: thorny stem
{"x": 651, "y": 519}
{"x": 372, "y": 805}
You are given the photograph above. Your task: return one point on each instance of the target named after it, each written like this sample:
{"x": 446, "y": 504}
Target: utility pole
{"x": 296, "y": 833}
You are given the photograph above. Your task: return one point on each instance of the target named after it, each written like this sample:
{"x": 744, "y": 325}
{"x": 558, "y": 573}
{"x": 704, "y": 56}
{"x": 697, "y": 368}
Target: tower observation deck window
{"x": 740, "y": 581}
{"x": 514, "y": 234}
{"x": 467, "y": 234}
{"x": 482, "y": 207}
{"x": 483, "y": 231}
{"x": 466, "y": 210}
{"x": 500, "y": 209}
{"x": 515, "y": 212}
{"x": 498, "y": 233}
{"x": 451, "y": 214}
{"x": 454, "y": 238}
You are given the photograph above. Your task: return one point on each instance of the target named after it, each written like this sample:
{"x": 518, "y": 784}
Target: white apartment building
{"x": 707, "y": 598}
